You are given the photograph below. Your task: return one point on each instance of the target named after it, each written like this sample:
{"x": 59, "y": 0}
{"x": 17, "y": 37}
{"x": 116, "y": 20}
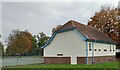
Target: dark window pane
{"x": 59, "y": 54}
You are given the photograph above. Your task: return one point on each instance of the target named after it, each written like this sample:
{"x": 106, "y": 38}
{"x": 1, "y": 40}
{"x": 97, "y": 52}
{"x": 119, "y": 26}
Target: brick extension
{"x": 80, "y": 60}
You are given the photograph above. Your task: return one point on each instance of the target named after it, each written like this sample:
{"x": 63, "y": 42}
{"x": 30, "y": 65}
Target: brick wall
{"x": 57, "y": 60}
{"x": 81, "y": 60}
{"x": 101, "y": 59}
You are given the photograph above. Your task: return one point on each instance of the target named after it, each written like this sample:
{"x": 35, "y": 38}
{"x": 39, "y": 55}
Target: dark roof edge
{"x": 101, "y": 41}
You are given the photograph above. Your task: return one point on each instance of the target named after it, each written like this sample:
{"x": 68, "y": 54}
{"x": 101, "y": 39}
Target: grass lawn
{"x": 100, "y": 65}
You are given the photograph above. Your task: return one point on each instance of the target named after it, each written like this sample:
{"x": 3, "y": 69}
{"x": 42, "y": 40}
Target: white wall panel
{"x": 68, "y": 43}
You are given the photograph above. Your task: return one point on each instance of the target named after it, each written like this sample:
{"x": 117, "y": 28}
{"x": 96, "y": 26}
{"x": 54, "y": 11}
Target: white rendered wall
{"x": 67, "y": 43}
{"x": 102, "y": 46}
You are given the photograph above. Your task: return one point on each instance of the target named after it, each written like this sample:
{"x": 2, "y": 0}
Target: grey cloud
{"x": 42, "y": 17}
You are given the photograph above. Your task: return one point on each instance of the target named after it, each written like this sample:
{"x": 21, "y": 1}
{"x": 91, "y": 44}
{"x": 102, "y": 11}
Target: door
{"x": 73, "y": 60}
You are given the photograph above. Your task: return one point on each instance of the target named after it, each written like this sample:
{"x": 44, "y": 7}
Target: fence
{"x": 21, "y": 60}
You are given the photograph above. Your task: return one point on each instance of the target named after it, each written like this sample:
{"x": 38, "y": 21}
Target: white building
{"x": 75, "y": 43}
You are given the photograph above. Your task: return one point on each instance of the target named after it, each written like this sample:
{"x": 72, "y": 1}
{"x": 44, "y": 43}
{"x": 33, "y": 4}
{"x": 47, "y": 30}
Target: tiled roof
{"x": 87, "y": 31}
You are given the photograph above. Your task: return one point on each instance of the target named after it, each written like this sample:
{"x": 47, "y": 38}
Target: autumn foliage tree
{"x": 107, "y": 21}
{"x": 19, "y": 42}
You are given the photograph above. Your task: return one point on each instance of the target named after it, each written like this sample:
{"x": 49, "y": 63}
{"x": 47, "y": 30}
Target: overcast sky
{"x": 43, "y": 16}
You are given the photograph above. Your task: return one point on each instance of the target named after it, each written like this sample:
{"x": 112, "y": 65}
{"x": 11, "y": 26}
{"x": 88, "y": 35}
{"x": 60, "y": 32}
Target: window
{"x": 95, "y": 49}
{"x": 110, "y": 48}
{"x": 59, "y": 54}
{"x": 90, "y": 47}
{"x": 99, "y": 49}
{"x": 113, "y": 48}
{"x": 105, "y": 49}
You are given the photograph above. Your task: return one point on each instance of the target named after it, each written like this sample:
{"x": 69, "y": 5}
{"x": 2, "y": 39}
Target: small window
{"x": 95, "y": 49}
{"x": 113, "y": 48}
{"x": 99, "y": 49}
{"x": 90, "y": 47}
{"x": 59, "y": 54}
{"x": 105, "y": 49}
{"x": 110, "y": 48}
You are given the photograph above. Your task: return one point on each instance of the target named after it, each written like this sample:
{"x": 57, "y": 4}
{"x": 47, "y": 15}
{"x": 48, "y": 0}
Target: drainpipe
{"x": 92, "y": 52}
{"x": 86, "y": 52}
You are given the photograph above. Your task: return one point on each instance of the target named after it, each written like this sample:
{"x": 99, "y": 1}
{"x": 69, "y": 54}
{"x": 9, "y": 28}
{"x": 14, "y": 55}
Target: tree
{"x": 2, "y": 48}
{"x": 41, "y": 39}
{"x": 107, "y": 21}
{"x": 119, "y": 23}
{"x": 19, "y": 42}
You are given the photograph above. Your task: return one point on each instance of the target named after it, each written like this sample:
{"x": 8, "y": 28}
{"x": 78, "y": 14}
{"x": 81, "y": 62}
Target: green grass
{"x": 100, "y": 65}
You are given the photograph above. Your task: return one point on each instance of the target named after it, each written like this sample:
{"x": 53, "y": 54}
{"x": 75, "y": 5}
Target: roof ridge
{"x": 65, "y": 24}
{"x": 73, "y": 24}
